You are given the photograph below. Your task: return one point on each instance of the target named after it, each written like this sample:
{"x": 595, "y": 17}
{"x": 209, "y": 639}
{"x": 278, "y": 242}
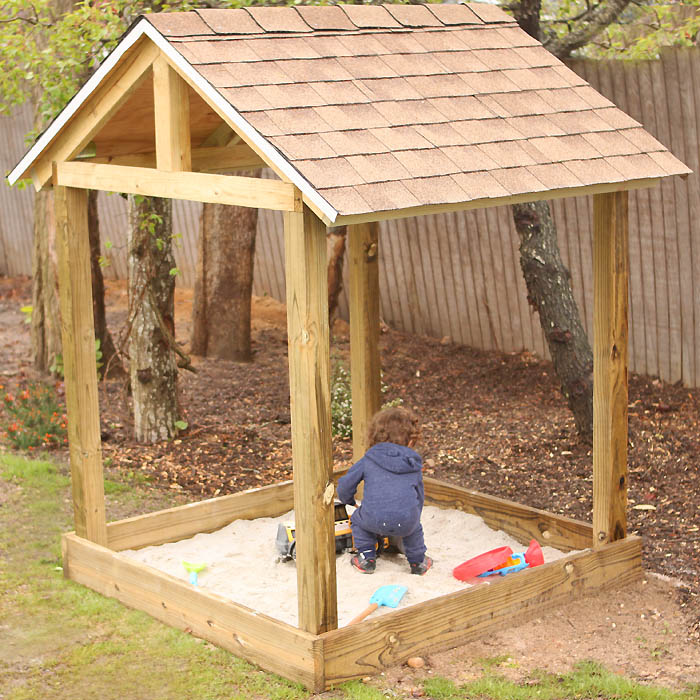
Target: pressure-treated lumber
{"x": 109, "y": 96}
{"x": 80, "y": 371}
{"x": 441, "y": 623}
{"x": 521, "y": 522}
{"x": 365, "y": 363}
{"x": 611, "y": 272}
{"x": 182, "y": 522}
{"x": 201, "y": 187}
{"x": 273, "y": 644}
{"x": 172, "y": 118}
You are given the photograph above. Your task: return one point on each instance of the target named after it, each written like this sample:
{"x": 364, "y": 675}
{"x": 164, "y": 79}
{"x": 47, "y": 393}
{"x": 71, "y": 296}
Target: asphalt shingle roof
{"x": 385, "y": 107}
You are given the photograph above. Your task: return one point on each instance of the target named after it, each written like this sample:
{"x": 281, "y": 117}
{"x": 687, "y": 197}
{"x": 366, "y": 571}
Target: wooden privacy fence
{"x": 467, "y": 285}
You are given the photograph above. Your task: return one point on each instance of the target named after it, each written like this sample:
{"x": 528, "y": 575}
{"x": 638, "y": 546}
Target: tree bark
{"x": 224, "y": 283}
{"x": 111, "y": 363}
{"x": 46, "y": 328}
{"x": 153, "y": 367}
{"x": 336, "y": 238}
{"x": 549, "y": 291}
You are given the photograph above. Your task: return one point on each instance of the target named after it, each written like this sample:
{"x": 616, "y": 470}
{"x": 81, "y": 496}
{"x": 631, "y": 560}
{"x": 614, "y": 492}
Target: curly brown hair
{"x": 395, "y": 424}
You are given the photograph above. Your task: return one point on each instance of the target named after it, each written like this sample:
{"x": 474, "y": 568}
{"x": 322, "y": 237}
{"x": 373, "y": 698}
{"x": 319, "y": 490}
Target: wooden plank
{"x": 694, "y": 186}
{"x": 487, "y": 296}
{"x": 521, "y": 522}
{"x": 467, "y": 233}
{"x": 375, "y": 644}
{"x": 80, "y": 371}
{"x": 272, "y": 644}
{"x": 610, "y": 264}
{"x": 185, "y": 521}
{"x": 98, "y": 109}
{"x": 199, "y": 187}
{"x": 365, "y": 363}
{"x": 309, "y": 383}
{"x": 171, "y": 107}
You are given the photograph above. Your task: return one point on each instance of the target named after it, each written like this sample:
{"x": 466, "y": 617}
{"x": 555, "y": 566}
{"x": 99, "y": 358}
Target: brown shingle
{"x": 350, "y": 143}
{"x": 536, "y": 125}
{"x": 324, "y": 17}
{"x": 669, "y": 163}
{"x": 563, "y": 100}
{"x": 262, "y": 122}
{"x": 499, "y": 59}
{"x": 441, "y": 135}
{"x": 436, "y": 190}
{"x": 440, "y": 41}
{"x": 345, "y": 200}
{"x": 387, "y": 196}
{"x": 222, "y": 51}
{"x": 369, "y": 16}
{"x": 616, "y": 118}
{"x": 517, "y": 180}
{"x": 361, "y": 44}
{"x": 514, "y": 36}
{"x": 461, "y": 61}
{"x": 408, "y": 112}
{"x": 303, "y": 146}
{"x": 328, "y": 46}
{"x": 635, "y": 167}
{"x": 426, "y": 163}
{"x": 568, "y": 76}
{"x": 610, "y": 143}
{"x": 383, "y": 89}
{"x": 235, "y": 21}
{"x": 414, "y": 64}
{"x": 460, "y": 108}
{"x": 178, "y": 23}
{"x": 565, "y": 148}
{"x": 507, "y": 155}
{"x": 592, "y": 98}
{"x": 340, "y": 92}
{"x": 480, "y": 186}
{"x": 303, "y": 71}
{"x": 285, "y": 96}
{"x": 534, "y": 152}
{"x": 536, "y": 78}
{"x": 643, "y": 140}
{"x": 521, "y": 104}
{"x": 243, "y": 74}
{"x": 579, "y": 122}
{"x": 413, "y": 15}
{"x": 280, "y": 48}
{"x": 594, "y": 171}
{"x": 379, "y": 167}
{"x": 555, "y": 176}
{"x": 400, "y": 42}
{"x": 469, "y": 158}
{"x": 477, "y": 131}
{"x": 366, "y": 67}
{"x": 488, "y": 13}
{"x": 440, "y": 86}
{"x": 246, "y": 99}
{"x": 304, "y": 120}
{"x": 360, "y": 116}
{"x": 330, "y": 172}
{"x": 401, "y": 138}
{"x": 278, "y": 19}
{"x": 536, "y": 56}
{"x": 492, "y": 82}
{"x": 482, "y": 38}
{"x": 454, "y": 14}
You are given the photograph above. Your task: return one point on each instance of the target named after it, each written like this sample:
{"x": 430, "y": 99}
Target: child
{"x": 393, "y": 492}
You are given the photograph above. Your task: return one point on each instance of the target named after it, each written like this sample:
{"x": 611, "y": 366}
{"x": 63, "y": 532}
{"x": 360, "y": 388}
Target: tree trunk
{"x": 46, "y": 327}
{"x": 549, "y": 291}
{"x": 336, "y": 238}
{"x": 111, "y": 363}
{"x": 153, "y": 368}
{"x": 224, "y": 283}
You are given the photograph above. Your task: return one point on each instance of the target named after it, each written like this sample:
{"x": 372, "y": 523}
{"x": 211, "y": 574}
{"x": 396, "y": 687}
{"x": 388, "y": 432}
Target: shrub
{"x": 35, "y": 418}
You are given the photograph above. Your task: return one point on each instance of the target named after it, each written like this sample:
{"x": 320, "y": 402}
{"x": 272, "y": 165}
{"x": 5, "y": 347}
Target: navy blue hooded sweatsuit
{"x": 392, "y": 502}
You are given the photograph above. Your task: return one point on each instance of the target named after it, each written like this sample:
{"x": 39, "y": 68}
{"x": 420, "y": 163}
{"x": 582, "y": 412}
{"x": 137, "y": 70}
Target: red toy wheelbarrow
{"x": 499, "y": 561}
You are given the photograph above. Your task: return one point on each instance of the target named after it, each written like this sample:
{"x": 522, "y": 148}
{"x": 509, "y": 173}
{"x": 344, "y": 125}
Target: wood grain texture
{"x": 272, "y": 644}
{"x": 181, "y": 522}
{"x": 199, "y": 187}
{"x": 441, "y": 623}
{"x": 114, "y": 90}
{"x": 309, "y": 383}
{"x": 80, "y": 371}
{"x": 611, "y": 271}
{"x": 365, "y": 363}
{"x": 521, "y": 522}
{"x": 171, "y": 107}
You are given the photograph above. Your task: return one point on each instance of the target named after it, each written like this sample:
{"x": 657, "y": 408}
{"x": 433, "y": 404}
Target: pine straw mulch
{"x": 492, "y": 422}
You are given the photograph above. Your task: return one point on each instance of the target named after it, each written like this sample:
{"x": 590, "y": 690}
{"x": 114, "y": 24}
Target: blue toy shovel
{"x": 385, "y": 595}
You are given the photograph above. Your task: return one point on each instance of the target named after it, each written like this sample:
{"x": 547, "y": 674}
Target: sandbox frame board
{"x": 325, "y": 660}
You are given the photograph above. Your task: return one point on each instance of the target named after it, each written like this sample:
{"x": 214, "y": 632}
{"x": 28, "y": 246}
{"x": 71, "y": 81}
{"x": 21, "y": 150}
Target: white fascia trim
{"x": 145, "y": 27}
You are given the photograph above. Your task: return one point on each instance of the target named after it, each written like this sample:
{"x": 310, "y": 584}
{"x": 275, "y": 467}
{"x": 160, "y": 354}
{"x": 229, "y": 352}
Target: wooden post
{"x": 172, "y": 119}
{"x": 365, "y": 364}
{"x": 80, "y": 371}
{"x": 309, "y": 383}
{"x": 611, "y": 270}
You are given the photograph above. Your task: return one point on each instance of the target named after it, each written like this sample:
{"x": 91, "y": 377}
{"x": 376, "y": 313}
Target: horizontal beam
{"x": 429, "y": 209}
{"x": 196, "y": 187}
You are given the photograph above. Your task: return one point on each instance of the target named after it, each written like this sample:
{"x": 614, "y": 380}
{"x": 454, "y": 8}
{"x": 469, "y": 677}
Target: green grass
{"x": 62, "y": 641}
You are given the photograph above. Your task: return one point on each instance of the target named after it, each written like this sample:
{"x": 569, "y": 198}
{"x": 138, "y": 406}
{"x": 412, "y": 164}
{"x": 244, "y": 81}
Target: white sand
{"x": 241, "y": 564}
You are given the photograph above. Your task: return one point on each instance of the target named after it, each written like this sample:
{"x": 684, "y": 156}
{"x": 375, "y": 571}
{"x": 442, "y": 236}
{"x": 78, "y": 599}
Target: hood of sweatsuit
{"x": 394, "y": 458}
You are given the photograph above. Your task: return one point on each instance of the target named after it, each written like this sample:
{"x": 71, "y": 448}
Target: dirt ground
{"x": 492, "y": 422}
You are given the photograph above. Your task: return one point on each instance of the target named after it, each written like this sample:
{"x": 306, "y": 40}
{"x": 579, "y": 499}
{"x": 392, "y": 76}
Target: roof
{"x": 381, "y": 108}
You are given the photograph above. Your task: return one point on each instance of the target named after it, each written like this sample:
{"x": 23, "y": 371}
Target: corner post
{"x": 172, "y": 119}
{"x": 309, "y": 383}
{"x": 611, "y": 272}
{"x": 365, "y": 363}
{"x": 80, "y": 371}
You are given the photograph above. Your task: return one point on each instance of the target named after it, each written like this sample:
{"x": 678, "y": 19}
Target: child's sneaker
{"x": 420, "y": 568}
{"x": 363, "y": 564}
